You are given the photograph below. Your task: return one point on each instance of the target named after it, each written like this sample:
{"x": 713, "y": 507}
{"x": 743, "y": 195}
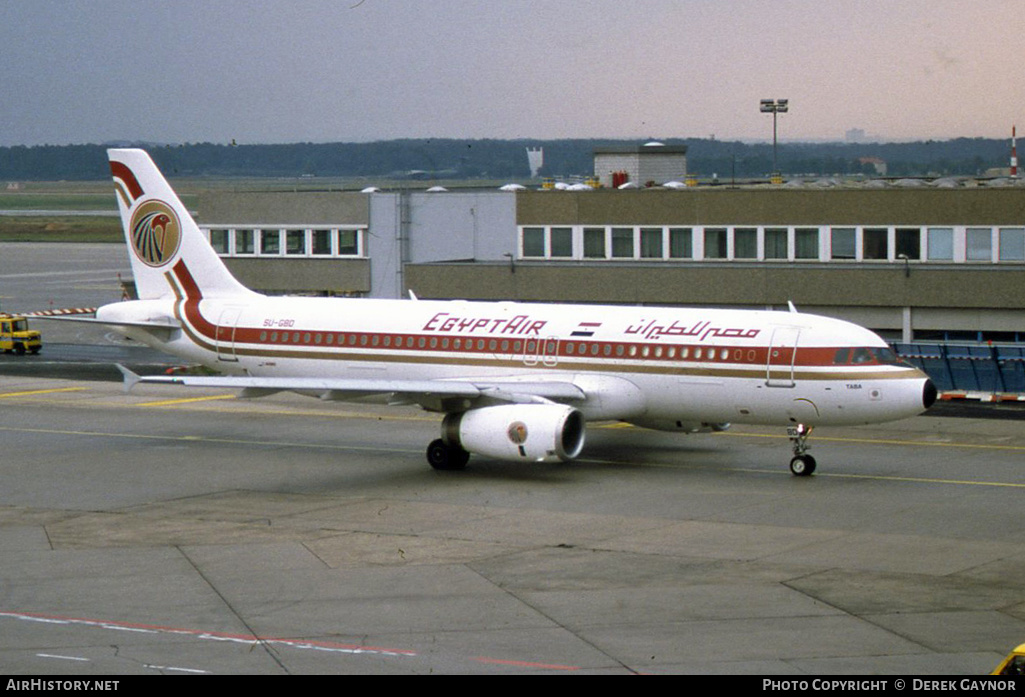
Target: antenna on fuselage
{"x": 790, "y": 304}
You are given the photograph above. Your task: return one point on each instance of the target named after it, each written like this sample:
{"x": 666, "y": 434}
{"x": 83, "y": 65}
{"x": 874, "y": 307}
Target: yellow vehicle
{"x": 17, "y": 337}
{"x": 1014, "y": 664}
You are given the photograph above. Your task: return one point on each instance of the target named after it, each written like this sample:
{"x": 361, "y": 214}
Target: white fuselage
{"x": 661, "y": 367}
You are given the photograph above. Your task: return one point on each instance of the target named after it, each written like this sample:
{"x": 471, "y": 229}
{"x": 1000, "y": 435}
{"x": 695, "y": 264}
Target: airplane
{"x": 514, "y": 381}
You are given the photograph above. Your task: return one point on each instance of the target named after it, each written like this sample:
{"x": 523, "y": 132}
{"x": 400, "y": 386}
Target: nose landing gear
{"x": 803, "y": 464}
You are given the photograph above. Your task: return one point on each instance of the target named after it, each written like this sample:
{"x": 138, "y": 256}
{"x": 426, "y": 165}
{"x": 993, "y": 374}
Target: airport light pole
{"x": 774, "y": 107}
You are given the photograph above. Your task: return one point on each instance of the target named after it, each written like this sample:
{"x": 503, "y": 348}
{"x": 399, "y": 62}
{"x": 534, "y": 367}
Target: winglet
{"x": 131, "y": 379}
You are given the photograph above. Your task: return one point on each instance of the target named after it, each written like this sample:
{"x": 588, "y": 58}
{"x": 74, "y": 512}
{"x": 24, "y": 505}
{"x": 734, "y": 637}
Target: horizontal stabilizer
{"x": 167, "y": 323}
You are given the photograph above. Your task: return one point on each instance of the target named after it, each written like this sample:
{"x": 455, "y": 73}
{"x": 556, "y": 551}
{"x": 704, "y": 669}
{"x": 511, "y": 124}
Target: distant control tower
{"x": 1014, "y": 151}
{"x": 536, "y": 160}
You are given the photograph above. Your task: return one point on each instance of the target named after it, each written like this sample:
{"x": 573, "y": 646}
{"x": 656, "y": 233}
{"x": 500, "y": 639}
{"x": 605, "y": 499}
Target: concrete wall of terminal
{"x": 284, "y": 208}
{"x": 775, "y": 206}
{"x": 297, "y": 276}
{"x": 696, "y": 206}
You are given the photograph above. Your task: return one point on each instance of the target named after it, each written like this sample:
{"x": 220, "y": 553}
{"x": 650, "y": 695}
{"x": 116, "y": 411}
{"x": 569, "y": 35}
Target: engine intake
{"x": 536, "y": 432}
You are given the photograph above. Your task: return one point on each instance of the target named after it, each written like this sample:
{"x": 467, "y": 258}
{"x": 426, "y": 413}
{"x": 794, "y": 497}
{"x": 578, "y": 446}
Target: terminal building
{"x": 914, "y": 261}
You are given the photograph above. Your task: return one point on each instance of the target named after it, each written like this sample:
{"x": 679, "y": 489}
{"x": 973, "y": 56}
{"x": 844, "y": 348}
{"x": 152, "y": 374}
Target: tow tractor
{"x": 17, "y": 337}
{"x": 1014, "y": 664}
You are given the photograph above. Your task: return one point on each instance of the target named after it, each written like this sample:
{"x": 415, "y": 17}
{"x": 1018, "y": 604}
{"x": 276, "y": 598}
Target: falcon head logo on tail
{"x": 156, "y": 233}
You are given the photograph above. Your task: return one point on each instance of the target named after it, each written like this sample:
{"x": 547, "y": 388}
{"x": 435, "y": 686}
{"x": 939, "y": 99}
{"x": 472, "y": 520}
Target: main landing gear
{"x": 443, "y": 456}
{"x": 803, "y": 464}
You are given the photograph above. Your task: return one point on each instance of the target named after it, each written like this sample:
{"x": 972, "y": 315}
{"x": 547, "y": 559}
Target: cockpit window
{"x": 866, "y": 355}
{"x": 885, "y": 355}
{"x": 861, "y": 356}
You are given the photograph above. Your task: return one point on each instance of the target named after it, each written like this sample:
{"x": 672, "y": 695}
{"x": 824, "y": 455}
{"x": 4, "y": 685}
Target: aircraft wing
{"x": 431, "y": 394}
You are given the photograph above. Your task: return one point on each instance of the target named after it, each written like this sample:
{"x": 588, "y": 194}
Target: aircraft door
{"x": 545, "y": 351}
{"x": 779, "y": 370}
{"x": 226, "y": 326}
{"x": 550, "y": 351}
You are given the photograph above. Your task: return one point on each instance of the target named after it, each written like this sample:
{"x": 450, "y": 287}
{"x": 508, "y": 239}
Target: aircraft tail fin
{"x": 164, "y": 242}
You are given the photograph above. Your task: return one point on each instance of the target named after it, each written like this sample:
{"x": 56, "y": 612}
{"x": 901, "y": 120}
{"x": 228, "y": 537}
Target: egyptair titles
{"x": 700, "y": 330}
{"x": 526, "y": 325}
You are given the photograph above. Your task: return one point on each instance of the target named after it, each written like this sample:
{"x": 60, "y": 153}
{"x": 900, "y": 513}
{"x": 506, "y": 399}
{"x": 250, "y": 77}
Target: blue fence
{"x": 983, "y": 368}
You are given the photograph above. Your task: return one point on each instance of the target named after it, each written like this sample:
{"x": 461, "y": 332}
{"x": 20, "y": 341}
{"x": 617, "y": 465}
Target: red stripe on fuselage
{"x": 328, "y": 344}
{"x": 189, "y": 296}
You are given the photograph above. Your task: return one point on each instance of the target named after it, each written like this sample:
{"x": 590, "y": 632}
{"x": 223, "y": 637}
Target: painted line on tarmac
{"x": 253, "y": 641}
{"x": 238, "y": 405}
{"x": 921, "y": 480}
{"x": 206, "y": 439}
{"x": 186, "y": 400}
{"x": 31, "y": 393}
{"x": 878, "y": 441}
{"x": 818, "y": 474}
{"x": 245, "y": 639}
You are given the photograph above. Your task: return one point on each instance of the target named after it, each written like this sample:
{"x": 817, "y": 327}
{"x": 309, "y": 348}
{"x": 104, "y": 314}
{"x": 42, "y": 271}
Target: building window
{"x": 874, "y": 243}
{"x": 244, "y": 241}
{"x": 321, "y": 241}
{"x": 843, "y": 243}
{"x": 907, "y": 242}
{"x": 680, "y": 243}
{"x": 651, "y": 243}
{"x": 806, "y": 243}
{"x": 270, "y": 242}
{"x": 940, "y": 244}
{"x": 776, "y": 243}
{"x": 533, "y": 242}
{"x": 715, "y": 243}
{"x": 745, "y": 243}
{"x": 622, "y": 243}
{"x": 219, "y": 241}
{"x": 594, "y": 243}
{"x": 561, "y": 241}
{"x": 295, "y": 242}
{"x": 979, "y": 244}
{"x": 349, "y": 242}
{"x": 1012, "y": 244}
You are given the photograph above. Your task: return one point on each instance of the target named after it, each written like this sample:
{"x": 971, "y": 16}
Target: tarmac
{"x": 169, "y": 530}
{"x": 184, "y": 531}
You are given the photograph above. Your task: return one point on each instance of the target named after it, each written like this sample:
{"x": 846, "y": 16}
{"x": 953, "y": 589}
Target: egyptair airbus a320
{"x": 514, "y": 381}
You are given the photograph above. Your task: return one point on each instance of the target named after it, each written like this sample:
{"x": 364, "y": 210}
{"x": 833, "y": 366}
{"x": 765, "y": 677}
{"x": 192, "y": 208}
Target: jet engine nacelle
{"x": 536, "y": 432}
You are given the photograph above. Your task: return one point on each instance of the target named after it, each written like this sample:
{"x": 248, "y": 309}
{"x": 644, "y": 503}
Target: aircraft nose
{"x": 929, "y": 394}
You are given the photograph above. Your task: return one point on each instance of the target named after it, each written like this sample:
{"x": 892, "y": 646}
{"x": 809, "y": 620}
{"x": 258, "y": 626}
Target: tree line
{"x": 502, "y": 159}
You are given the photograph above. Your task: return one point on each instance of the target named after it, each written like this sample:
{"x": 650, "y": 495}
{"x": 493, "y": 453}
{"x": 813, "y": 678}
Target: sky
{"x": 277, "y": 71}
